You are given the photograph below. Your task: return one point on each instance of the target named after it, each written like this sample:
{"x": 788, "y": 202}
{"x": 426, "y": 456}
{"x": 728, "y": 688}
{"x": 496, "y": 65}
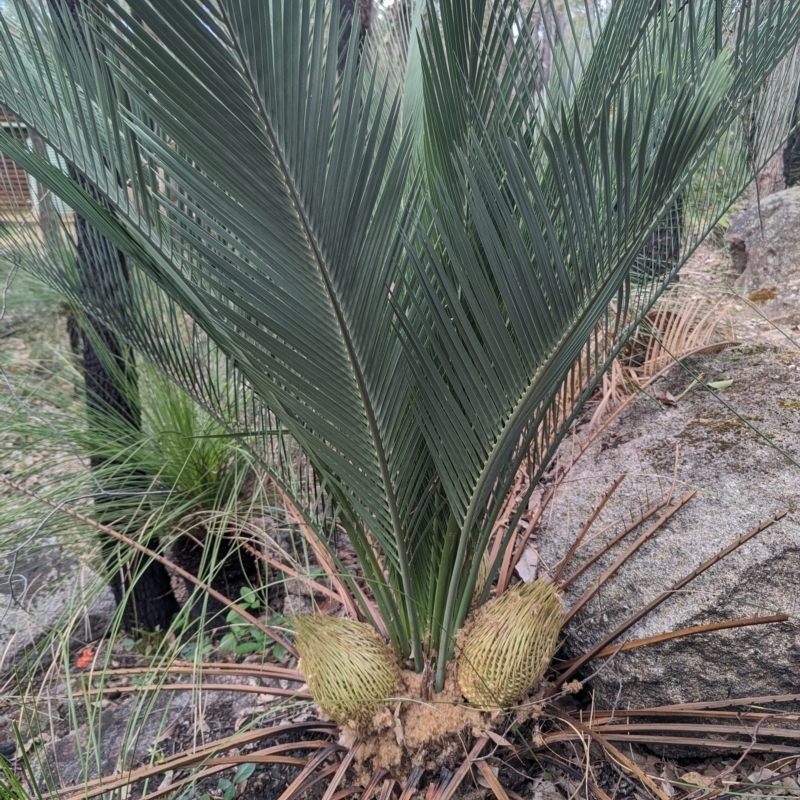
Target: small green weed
{"x": 243, "y": 638}
{"x": 227, "y": 788}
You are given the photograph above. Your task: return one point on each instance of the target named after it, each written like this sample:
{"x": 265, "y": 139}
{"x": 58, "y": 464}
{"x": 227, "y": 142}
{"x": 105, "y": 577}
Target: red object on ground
{"x": 85, "y": 658}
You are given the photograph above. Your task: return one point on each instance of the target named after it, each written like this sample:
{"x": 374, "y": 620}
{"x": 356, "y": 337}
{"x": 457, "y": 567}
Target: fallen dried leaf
{"x": 664, "y": 397}
{"x": 528, "y": 564}
{"x": 483, "y": 781}
{"x": 498, "y": 739}
{"x": 761, "y": 775}
{"x": 696, "y": 779}
{"x": 399, "y": 734}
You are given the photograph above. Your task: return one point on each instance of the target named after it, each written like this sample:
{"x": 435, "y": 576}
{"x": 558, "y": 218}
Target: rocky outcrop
{"x": 744, "y": 465}
{"x": 45, "y": 592}
{"x": 122, "y": 736}
{"x": 765, "y": 250}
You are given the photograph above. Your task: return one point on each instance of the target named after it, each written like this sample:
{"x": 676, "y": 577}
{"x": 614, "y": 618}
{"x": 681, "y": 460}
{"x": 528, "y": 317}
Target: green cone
{"x": 509, "y": 644}
{"x": 349, "y": 669}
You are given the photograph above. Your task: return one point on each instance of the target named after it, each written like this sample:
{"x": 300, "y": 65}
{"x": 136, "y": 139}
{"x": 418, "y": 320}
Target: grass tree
{"x": 416, "y": 264}
{"x": 110, "y": 378}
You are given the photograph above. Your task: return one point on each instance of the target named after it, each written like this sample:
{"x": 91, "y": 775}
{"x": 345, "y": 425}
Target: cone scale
{"x": 506, "y": 648}
{"x": 349, "y": 669}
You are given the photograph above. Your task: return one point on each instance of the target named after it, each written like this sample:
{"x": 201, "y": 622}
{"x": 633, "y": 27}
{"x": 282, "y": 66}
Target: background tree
{"x": 109, "y": 370}
{"x": 791, "y": 153}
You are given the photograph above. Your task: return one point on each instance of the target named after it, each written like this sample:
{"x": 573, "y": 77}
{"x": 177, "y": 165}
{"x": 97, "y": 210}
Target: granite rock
{"x": 765, "y": 250}
{"x": 741, "y": 453}
{"x": 43, "y": 590}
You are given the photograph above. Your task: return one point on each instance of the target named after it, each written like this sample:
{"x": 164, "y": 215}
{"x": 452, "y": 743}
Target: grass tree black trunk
{"x": 791, "y": 153}
{"x": 349, "y": 12}
{"x": 114, "y": 418}
{"x": 112, "y": 397}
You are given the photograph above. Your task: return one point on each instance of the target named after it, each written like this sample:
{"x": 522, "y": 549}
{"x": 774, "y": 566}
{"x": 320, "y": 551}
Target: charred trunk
{"x": 791, "y": 153}
{"x": 114, "y": 417}
{"x": 661, "y": 254}
{"x": 112, "y": 399}
{"x": 349, "y": 12}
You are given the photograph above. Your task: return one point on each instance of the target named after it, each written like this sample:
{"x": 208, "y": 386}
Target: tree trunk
{"x": 660, "y": 255}
{"x": 112, "y": 406}
{"x": 347, "y": 13}
{"x": 112, "y": 399}
{"x": 791, "y": 153}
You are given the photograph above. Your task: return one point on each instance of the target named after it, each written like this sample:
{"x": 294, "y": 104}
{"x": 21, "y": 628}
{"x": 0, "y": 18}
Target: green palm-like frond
{"x": 539, "y": 225}
{"x": 414, "y": 271}
{"x": 272, "y": 191}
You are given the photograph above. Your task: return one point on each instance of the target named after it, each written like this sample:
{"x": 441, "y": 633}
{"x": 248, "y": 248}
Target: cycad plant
{"x": 412, "y": 265}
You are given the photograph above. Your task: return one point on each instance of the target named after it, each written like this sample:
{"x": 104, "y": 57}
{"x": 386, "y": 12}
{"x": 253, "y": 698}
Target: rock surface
{"x": 123, "y": 737}
{"x": 741, "y": 479}
{"x": 770, "y": 263}
{"x": 43, "y": 591}
{"x": 147, "y": 726}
